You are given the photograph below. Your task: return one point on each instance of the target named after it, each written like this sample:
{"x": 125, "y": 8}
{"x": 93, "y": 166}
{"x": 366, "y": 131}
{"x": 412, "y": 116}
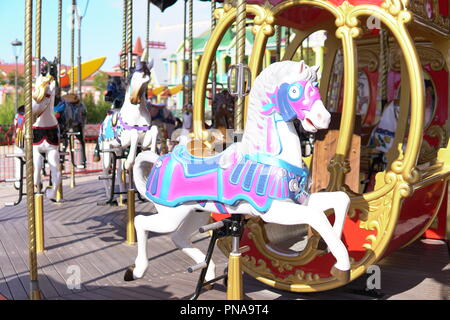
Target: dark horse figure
{"x": 115, "y": 91}
{"x": 115, "y": 94}
{"x": 71, "y": 114}
{"x": 222, "y": 108}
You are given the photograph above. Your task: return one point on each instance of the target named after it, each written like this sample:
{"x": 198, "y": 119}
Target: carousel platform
{"x": 79, "y": 235}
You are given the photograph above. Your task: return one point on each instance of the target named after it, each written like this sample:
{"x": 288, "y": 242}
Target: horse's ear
{"x": 315, "y": 68}
{"x": 302, "y": 66}
{"x": 55, "y": 61}
{"x": 150, "y": 64}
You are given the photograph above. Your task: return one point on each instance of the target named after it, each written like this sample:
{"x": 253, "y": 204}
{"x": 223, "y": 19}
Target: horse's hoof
{"x": 128, "y": 276}
{"x": 96, "y": 158}
{"x": 341, "y": 275}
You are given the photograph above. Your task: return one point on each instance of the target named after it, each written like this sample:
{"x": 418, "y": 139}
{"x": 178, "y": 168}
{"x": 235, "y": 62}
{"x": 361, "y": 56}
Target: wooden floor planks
{"x": 80, "y": 233}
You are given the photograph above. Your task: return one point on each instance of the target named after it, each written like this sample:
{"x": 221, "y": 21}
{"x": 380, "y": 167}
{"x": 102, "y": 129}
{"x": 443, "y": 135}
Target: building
{"x": 312, "y": 53}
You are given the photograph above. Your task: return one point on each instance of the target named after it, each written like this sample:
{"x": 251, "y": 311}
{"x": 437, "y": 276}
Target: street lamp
{"x": 16, "y": 45}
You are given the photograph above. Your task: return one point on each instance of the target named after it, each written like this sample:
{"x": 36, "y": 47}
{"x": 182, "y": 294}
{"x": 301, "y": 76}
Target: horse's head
{"x": 45, "y": 83}
{"x": 297, "y": 96}
{"x": 139, "y": 80}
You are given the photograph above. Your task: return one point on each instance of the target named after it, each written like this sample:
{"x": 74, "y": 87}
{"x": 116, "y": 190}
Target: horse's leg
{"x": 133, "y": 139}
{"x": 167, "y": 220}
{"x": 149, "y": 140}
{"x": 182, "y": 239}
{"x": 106, "y": 165}
{"x": 83, "y": 146}
{"x": 17, "y": 165}
{"x": 289, "y": 213}
{"x": 339, "y": 201}
{"x": 53, "y": 161}
{"x": 38, "y": 162}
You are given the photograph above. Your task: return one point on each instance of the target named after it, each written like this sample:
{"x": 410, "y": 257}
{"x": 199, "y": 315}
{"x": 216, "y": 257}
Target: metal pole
{"x": 240, "y": 55}
{"x": 383, "y": 66}
{"x": 147, "y": 38}
{"x": 131, "y": 212}
{"x": 72, "y": 50}
{"x": 59, "y": 36}
{"x": 191, "y": 42}
{"x": 123, "y": 58}
{"x": 130, "y": 33}
{"x": 39, "y": 205}
{"x": 214, "y": 64}
{"x": 34, "y": 283}
{"x": 184, "y": 53}
{"x": 278, "y": 43}
{"x": 80, "y": 18}
{"x": 16, "y": 98}
{"x": 38, "y": 36}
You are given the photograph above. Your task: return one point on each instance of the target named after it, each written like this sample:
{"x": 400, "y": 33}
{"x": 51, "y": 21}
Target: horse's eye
{"x": 295, "y": 91}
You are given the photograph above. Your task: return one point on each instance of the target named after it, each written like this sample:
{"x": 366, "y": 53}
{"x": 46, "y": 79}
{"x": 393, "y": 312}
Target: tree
{"x": 100, "y": 81}
{"x": 20, "y": 79}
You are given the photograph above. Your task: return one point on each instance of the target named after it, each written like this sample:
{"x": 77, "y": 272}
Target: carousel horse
{"x": 72, "y": 116}
{"x": 131, "y": 126}
{"x": 261, "y": 176}
{"x": 45, "y": 130}
{"x": 165, "y": 121}
{"x": 115, "y": 92}
{"x": 223, "y": 111}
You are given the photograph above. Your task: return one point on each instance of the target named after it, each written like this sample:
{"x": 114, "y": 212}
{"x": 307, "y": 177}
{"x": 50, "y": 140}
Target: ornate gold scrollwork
{"x": 427, "y": 56}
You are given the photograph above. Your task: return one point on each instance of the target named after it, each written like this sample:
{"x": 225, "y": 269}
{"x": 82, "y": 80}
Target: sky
{"x": 101, "y": 27}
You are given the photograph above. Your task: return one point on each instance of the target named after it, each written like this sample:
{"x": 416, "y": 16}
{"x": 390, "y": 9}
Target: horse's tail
{"x": 141, "y": 170}
{"x": 97, "y": 152}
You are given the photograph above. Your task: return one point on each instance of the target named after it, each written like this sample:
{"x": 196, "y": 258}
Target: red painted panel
{"x": 440, "y": 230}
{"x": 415, "y": 214}
{"x": 353, "y": 237}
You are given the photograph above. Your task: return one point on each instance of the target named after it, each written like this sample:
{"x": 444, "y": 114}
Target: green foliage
{"x": 95, "y": 112}
{"x": 100, "y": 81}
{"x": 20, "y": 79}
{"x": 7, "y": 109}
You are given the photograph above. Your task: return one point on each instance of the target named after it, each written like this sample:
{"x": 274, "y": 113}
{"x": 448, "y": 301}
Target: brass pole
{"x": 384, "y": 50}
{"x": 147, "y": 39}
{"x": 214, "y": 64}
{"x": 130, "y": 34}
{"x": 191, "y": 42}
{"x": 123, "y": 180}
{"x": 240, "y": 55}
{"x": 34, "y": 284}
{"x": 131, "y": 211}
{"x": 278, "y": 43}
{"x": 38, "y": 36}
{"x": 59, "y": 37}
{"x": 59, "y": 193}
{"x": 72, "y": 52}
{"x": 123, "y": 57}
{"x": 39, "y": 205}
{"x": 235, "y": 287}
{"x": 288, "y": 36}
{"x": 184, "y": 53}
{"x": 72, "y": 165}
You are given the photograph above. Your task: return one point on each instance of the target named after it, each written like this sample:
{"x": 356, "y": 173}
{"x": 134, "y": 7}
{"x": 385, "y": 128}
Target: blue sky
{"x": 101, "y": 28}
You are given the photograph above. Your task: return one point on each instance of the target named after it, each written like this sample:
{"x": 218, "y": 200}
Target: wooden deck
{"x": 80, "y": 233}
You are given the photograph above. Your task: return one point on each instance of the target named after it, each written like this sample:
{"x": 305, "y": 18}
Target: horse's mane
{"x": 265, "y": 83}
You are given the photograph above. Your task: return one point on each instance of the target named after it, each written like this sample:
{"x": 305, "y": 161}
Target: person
{"x": 187, "y": 117}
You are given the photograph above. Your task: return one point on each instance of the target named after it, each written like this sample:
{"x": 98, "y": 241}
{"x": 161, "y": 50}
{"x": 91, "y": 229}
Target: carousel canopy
{"x": 164, "y": 4}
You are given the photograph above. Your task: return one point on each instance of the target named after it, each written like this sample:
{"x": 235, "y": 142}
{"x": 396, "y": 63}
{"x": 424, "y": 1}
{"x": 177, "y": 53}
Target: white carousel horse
{"x": 45, "y": 130}
{"x": 130, "y": 126}
{"x": 260, "y": 176}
